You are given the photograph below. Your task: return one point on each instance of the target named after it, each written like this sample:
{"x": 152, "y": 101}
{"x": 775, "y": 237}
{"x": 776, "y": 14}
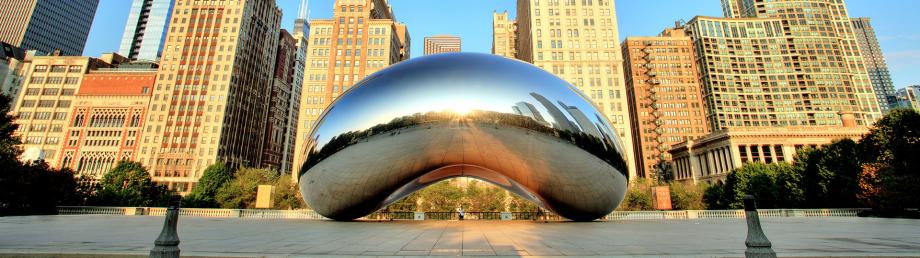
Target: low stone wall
{"x": 312, "y": 215}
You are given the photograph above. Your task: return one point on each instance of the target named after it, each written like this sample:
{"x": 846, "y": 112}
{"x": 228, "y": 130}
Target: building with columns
{"x": 362, "y": 37}
{"x": 711, "y": 158}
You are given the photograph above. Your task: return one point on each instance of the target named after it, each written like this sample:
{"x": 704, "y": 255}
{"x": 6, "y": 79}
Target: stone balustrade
{"x": 311, "y": 215}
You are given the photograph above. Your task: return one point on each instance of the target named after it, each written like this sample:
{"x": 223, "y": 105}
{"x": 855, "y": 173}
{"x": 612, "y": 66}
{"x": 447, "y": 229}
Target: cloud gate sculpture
{"x": 463, "y": 115}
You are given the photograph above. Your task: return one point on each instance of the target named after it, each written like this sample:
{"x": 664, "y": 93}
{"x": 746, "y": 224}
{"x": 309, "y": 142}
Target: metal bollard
{"x": 167, "y": 244}
{"x": 758, "y": 246}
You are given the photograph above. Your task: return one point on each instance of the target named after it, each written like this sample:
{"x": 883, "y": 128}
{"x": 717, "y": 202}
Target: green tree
{"x": 213, "y": 178}
{"x": 484, "y": 198}
{"x": 240, "y": 193}
{"x": 760, "y": 180}
{"x": 442, "y": 196}
{"x": 287, "y": 195}
{"x": 714, "y": 196}
{"x": 687, "y": 196}
{"x": 830, "y": 175}
{"x": 129, "y": 184}
{"x": 889, "y": 151}
{"x": 638, "y": 197}
{"x": 32, "y": 188}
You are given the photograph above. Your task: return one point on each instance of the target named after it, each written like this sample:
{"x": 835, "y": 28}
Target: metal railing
{"x": 312, "y": 215}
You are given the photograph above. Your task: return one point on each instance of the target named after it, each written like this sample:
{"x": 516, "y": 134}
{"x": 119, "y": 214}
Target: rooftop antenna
{"x": 304, "y": 12}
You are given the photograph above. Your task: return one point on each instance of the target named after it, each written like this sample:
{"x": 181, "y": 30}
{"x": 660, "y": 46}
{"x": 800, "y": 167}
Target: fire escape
{"x": 660, "y": 143}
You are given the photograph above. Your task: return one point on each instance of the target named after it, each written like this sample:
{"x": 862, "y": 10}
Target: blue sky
{"x": 472, "y": 21}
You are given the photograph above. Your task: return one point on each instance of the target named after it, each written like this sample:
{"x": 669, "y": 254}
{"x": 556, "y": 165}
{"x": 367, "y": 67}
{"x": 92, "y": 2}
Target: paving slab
{"x": 133, "y": 236}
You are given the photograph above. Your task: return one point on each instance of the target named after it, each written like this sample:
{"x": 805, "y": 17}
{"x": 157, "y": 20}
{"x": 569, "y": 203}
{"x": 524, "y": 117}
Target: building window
{"x": 58, "y": 68}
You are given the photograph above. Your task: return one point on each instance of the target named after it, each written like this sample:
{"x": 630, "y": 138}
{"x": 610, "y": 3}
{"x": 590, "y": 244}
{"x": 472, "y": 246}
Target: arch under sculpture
{"x": 476, "y": 115}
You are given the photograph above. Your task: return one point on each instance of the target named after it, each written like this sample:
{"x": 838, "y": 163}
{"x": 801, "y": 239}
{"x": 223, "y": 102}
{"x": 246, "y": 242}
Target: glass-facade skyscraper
{"x": 146, "y": 29}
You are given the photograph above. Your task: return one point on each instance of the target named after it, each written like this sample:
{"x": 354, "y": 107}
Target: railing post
{"x": 758, "y": 246}
{"x": 167, "y": 244}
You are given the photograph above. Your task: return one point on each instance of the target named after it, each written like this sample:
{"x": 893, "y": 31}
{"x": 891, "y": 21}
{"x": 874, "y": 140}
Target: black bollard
{"x": 758, "y": 246}
{"x": 167, "y": 244}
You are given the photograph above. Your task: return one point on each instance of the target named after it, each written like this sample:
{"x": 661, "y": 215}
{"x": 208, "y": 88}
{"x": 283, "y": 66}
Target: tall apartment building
{"x": 781, "y": 63}
{"x": 45, "y": 103}
{"x": 909, "y": 97}
{"x": 276, "y": 121}
{"x": 503, "y": 35}
{"x": 875, "y": 63}
{"x": 209, "y": 104}
{"x": 579, "y": 42}
{"x": 439, "y": 44}
{"x": 145, "y": 32}
{"x": 107, "y": 119}
{"x": 47, "y": 25}
{"x": 662, "y": 83}
{"x": 361, "y": 38}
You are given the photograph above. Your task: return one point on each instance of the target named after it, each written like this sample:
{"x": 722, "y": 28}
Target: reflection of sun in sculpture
{"x": 524, "y": 130}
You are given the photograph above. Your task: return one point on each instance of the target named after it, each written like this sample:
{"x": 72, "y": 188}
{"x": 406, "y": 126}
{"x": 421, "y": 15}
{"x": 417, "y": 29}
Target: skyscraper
{"x": 276, "y": 121}
{"x": 300, "y": 34}
{"x": 361, "y": 38}
{"x": 503, "y": 35}
{"x": 47, "y": 25}
{"x": 662, "y": 83}
{"x": 210, "y": 102}
{"x": 579, "y": 42}
{"x": 781, "y": 63}
{"x": 439, "y": 44}
{"x": 875, "y": 63}
{"x": 145, "y": 32}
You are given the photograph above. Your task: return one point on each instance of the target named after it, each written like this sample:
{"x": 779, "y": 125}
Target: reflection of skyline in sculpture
{"x": 559, "y": 120}
{"x": 529, "y": 110}
{"x": 400, "y": 131}
{"x": 582, "y": 120}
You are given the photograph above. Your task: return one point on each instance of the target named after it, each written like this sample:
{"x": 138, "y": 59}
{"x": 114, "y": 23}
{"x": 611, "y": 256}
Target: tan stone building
{"x": 439, "y": 44}
{"x": 107, "y": 120}
{"x": 662, "y": 83}
{"x": 503, "y": 35}
{"x": 579, "y": 42}
{"x": 46, "y": 101}
{"x": 362, "y": 37}
{"x": 209, "y": 104}
{"x": 782, "y": 63}
{"x": 711, "y": 158}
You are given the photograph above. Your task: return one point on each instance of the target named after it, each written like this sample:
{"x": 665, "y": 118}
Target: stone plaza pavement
{"x": 114, "y": 236}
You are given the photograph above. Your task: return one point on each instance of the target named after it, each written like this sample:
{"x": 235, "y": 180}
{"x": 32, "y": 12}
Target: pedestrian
{"x": 460, "y": 212}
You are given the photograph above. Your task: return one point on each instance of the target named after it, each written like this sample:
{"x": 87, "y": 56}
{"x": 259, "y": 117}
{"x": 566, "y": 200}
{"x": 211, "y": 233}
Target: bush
{"x": 638, "y": 197}
{"x": 687, "y": 196}
{"x": 240, "y": 193}
{"x": 213, "y": 178}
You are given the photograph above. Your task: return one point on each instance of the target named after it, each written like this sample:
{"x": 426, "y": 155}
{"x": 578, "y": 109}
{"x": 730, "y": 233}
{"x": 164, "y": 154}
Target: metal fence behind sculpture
{"x": 311, "y": 215}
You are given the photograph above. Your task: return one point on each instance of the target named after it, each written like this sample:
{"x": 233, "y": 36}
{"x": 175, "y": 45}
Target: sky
{"x": 893, "y": 21}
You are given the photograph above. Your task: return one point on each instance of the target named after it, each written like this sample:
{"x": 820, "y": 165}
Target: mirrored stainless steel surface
{"x": 436, "y": 117}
